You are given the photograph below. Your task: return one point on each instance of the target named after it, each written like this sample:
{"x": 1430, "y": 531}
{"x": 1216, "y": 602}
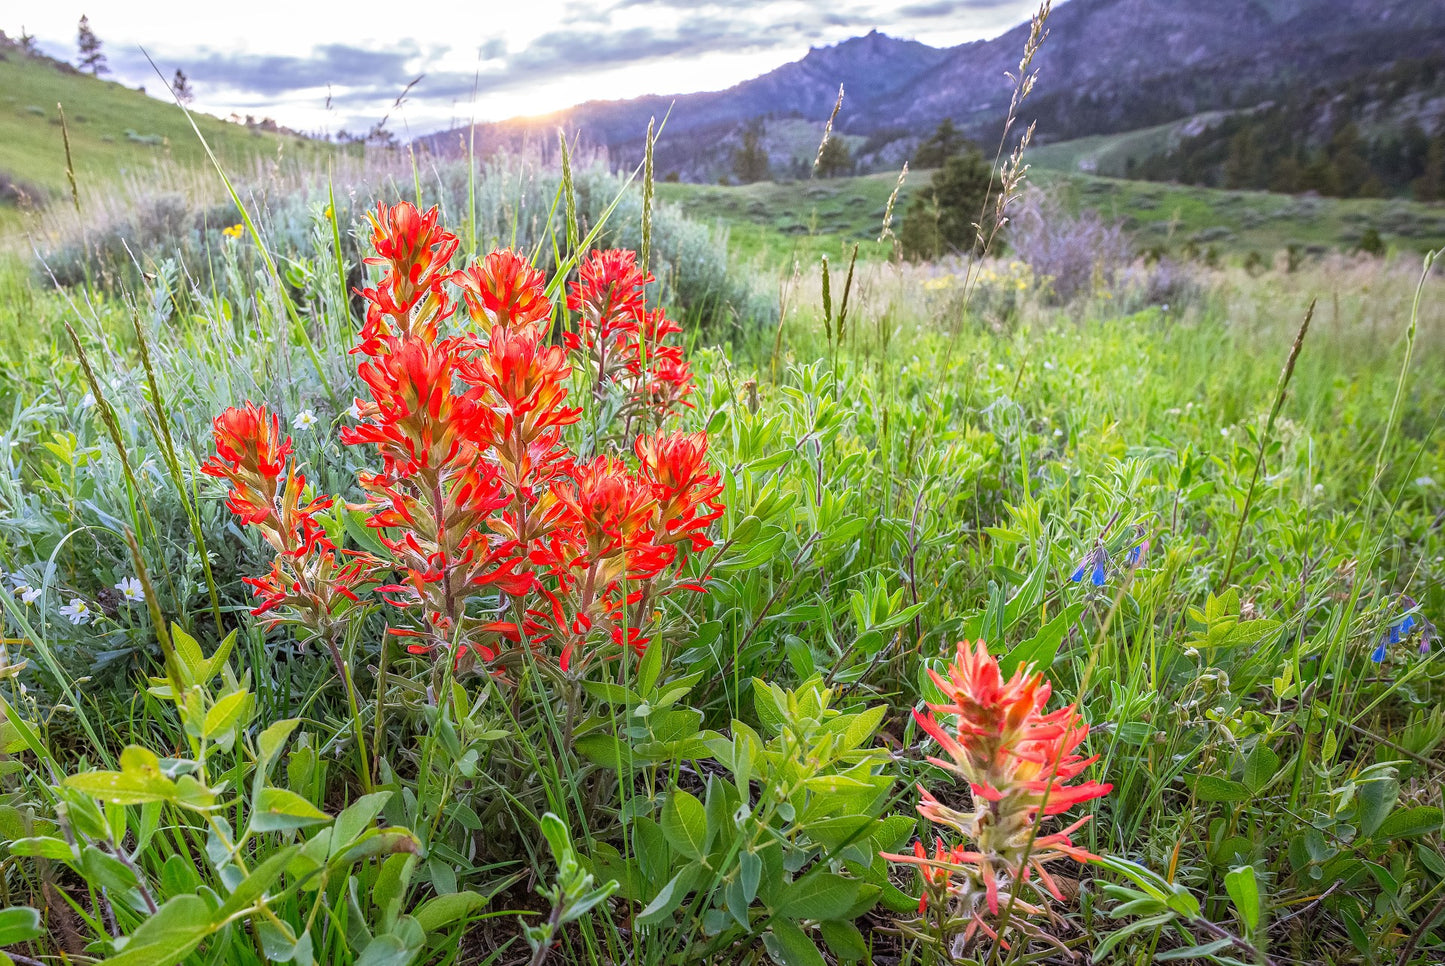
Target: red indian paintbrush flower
{"x": 1018, "y": 760}
{"x": 684, "y": 484}
{"x": 308, "y": 575}
{"x": 608, "y": 299}
{"x": 251, "y": 454}
{"x": 503, "y": 289}
{"x": 498, "y": 536}
{"x": 408, "y": 300}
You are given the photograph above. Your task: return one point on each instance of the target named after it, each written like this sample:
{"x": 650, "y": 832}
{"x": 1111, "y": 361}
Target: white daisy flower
{"x": 305, "y": 419}
{"x": 24, "y": 591}
{"x": 130, "y": 588}
{"x": 77, "y": 611}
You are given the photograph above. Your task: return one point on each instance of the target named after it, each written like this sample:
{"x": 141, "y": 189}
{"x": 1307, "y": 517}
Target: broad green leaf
{"x": 225, "y": 713}
{"x": 356, "y": 818}
{"x": 750, "y": 872}
{"x": 188, "y": 656}
{"x": 45, "y": 847}
{"x": 139, "y": 780}
{"x": 439, "y": 912}
{"x": 1260, "y": 767}
{"x": 218, "y": 659}
{"x": 788, "y": 945}
{"x": 1376, "y": 799}
{"x": 684, "y": 823}
{"x": 270, "y": 742}
{"x": 168, "y": 936}
{"x": 820, "y": 895}
{"x": 1212, "y": 788}
{"x": 19, "y": 924}
{"x": 844, "y": 939}
{"x": 277, "y": 809}
{"x": 387, "y": 950}
{"x": 1408, "y": 822}
{"x": 1243, "y": 888}
{"x": 670, "y": 896}
{"x": 1041, "y": 648}
{"x": 650, "y": 845}
{"x": 605, "y": 750}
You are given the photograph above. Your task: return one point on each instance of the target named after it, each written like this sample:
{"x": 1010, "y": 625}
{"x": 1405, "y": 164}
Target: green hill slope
{"x": 114, "y": 132}
{"x": 810, "y": 217}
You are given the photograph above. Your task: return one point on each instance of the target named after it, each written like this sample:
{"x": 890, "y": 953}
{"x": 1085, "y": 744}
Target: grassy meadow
{"x": 1202, "y": 501}
{"x": 117, "y": 135}
{"x": 779, "y": 221}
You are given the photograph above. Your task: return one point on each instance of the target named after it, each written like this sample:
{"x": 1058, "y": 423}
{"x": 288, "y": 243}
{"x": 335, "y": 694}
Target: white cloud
{"x": 283, "y": 59}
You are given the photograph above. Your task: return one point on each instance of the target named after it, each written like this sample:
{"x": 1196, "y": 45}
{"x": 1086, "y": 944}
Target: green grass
{"x": 778, "y": 222}
{"x": 1110, "y": 154}
{"x": 934, "y": 475}
{"x": 806, "y": 218}
{"x": 115, "y": 132}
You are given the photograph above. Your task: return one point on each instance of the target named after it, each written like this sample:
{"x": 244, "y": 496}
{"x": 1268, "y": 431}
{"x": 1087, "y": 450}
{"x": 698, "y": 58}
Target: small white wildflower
{"x": 305, "y": 419}
{"x": 354, "y": 410}
{"x": 1175, "y": 411}
{"x": 77, "y": 611}
{"x": 1166, "y": 306}
{"x": 87, "y": 401}
{"x": 1319, "y": 489}
{"x": 1058, "y": 432}
{"x": 130, "y": 588}
{"x": 1424, "y": 482}
{"x": 1224, "y": 431}
{"x": 1049, "y": 365}
{"x": 27, "y": 593}
{"x": 999, "y": 366}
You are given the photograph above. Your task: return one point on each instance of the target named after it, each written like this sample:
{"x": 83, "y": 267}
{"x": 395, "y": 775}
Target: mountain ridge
{"x": 1106, "y": 66}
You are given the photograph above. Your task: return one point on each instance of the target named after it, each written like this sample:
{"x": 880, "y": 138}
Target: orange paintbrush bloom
{"x": 1018, "y": 760}
{"x": 503, "y": 289}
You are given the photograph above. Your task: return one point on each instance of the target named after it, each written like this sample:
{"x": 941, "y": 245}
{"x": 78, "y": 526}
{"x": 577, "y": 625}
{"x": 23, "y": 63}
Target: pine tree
{"x": 91, "y": 57}
{"x": 750, "y": 162}
{"x": 835, "y": 158}
{"x": 942, "y": 144}
{"x": 181, "y": 87}
{"x": 1430, "y": 186}
{"x": 943, "y": 218}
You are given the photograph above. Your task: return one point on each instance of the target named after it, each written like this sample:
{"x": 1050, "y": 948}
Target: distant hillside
{"x": 114, "y": 131}
{"x": 1369, "y": 137}
{"x": 1107, "y": 66}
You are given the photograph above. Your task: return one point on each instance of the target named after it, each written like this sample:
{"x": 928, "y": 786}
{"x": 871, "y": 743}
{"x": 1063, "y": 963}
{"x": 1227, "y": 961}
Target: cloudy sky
{"x": 327, "y": 66}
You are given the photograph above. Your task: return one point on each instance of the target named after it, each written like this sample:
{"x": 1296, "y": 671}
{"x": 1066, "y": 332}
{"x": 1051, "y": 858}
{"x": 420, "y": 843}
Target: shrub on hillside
{"x": 515, "y": 203}
{"x": 1075, "y": 253}
{"x": 944, "y": 218}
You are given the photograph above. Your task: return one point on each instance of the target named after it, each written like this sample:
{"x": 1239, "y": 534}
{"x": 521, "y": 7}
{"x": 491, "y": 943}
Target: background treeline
{"x": 1372, "y": 136}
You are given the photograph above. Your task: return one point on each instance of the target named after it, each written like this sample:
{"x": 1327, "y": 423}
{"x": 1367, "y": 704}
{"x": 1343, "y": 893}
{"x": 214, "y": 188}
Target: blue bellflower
{"x": 1401, "y": 629}
{"x": 1097, "y": 560}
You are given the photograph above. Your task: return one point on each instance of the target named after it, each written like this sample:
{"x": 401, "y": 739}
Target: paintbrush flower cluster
{"x": 1018, "y": 761}
{"x": 504, "y": 535}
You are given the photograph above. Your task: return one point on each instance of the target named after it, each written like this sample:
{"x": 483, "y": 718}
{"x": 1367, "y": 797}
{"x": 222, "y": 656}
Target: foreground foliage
{"x": 695, "y": 617}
